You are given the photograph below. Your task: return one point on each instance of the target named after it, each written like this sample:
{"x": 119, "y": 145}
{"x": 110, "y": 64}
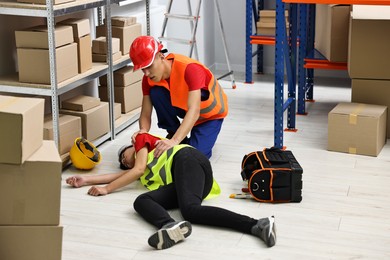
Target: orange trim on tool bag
{"x": 258, "y": 158}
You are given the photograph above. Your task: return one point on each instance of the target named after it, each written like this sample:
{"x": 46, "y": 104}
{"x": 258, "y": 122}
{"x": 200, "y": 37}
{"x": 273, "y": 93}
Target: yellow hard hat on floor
{"x": 84, "y": 155}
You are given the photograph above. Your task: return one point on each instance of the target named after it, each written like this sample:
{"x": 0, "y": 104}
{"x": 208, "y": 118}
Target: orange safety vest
{"x": 215, "y": 107}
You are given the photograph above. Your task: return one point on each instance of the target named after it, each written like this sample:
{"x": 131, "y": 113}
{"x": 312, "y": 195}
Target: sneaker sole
{"x": 166, "y": 238}
{"x": 271, "y": 237}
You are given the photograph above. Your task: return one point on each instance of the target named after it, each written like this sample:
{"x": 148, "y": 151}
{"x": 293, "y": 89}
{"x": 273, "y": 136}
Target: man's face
{"x": 156, "y": 69}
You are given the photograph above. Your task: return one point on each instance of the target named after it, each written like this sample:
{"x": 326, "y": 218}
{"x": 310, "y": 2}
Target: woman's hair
{"x": 120, "y": 154}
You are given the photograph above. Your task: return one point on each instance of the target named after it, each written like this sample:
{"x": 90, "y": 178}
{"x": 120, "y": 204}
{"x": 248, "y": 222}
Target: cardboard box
{"x": 99, "y": 45}
{"x": 69, "y": 130}
{"x": 37, "y": 37}
{"x": 370, "y": 91}
{"x": 332, "y": 25}
{"x": 126, "y": 35}
{"x": 31, "y": 192}
{"x": 123, "y": 77}
{"x": 357, "y": 128}
{"x": 84, "y": 53}
{"x": 21, "y": 121}
{"x": 122, "y": 21}
{"x": 31, "y": 242}
{"x": 103, "y": 57}
{"x": 94, "y": 122}
{"x": 269, "y": 15}
{"x": 369, "y": 41}
{"x": 34, "y": 64}
{"x": 80, "y": 26}
{"x": 130, "y": 96}
{"x": 117, "y": 111}
{"x": 80, "y": 103}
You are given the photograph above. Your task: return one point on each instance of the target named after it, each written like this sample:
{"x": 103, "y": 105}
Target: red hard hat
{"x": 143, "y": 50}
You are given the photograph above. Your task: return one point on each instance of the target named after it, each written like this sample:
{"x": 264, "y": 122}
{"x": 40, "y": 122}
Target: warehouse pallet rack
{"x": 10, "y": 83}
{"x": 302, "y": 23}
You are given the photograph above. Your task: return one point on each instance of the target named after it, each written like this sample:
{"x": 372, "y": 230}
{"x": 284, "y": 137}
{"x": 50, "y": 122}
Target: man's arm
{"x": 145, "y": 119}
{"x": 185, "y": 127}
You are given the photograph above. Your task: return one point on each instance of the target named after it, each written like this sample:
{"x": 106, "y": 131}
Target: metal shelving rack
{"x": 285, "y": 58}
{"x": 10, "y": 83}
{"x": 302, "y": 24}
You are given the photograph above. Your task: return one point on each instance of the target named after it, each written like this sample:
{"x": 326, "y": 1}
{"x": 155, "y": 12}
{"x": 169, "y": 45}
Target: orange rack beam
{"x": 264, "y": 40}
{"x": 324, "y": 64}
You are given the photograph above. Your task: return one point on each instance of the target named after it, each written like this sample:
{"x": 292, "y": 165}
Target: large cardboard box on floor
{"x": 357, "y": 128}
{"x": 30, "y": 193}
{"x": 369, "y": 41}
{"x": 69, "y": 130}
{"x": 37, "y": 37}
{"x": 126, "y": 35}
{"x": 34, "y": 66}
{"x": 130, "y": 96}
{"x": 123, "y": 77}
{"x": 30, "y": 242}
{"x": 332, "y": 25}
{"x": 371, "y": 91}
{"x": 94, "y": 121}
{"x": 21, "y": 121}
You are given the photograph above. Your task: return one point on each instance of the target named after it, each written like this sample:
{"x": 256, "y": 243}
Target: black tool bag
{"x": 273, "y": 175}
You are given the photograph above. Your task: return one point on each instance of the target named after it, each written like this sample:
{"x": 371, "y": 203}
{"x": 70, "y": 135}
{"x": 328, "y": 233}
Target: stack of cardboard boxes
{"x": 267, "y": 22}
{"x": 99, "y": 49}
{"x": 33, "y": 54}
{"x": 30, "y": 183}
{"x": 127, "y": 88}
{"x": 358, "y": 127}
{"x": 82, "y": 36}
{"x": 73, "y": 51}
{"x": 369, "y": 56}
{"x": 124, "y": 28}
{"x": 92, "y": 112}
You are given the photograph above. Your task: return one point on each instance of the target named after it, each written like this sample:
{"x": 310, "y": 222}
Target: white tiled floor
{"x": 344, "y": 214}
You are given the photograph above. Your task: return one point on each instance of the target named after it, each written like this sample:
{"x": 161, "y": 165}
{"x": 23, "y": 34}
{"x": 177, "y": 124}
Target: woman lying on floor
{"x": 180, "y": 178}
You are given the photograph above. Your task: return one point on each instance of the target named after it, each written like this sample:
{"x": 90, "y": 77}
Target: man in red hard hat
{"x": 178, "y": 87}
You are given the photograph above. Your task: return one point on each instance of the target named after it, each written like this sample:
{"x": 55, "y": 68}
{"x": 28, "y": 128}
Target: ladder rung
{"x": 181, "y": 16}
{"x": 177, "y": 40}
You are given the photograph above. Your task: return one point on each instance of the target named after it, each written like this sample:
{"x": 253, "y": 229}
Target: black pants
{"x": 192, "y": 181}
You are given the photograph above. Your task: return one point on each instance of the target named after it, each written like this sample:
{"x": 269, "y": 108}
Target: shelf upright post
{"x": 310, "y": 49}
{"x": 110, "y": 81}
{"x": 302, "y": 55}
{"x": 53, "y": 71}
{"x": 260, "y": 47}
{"x": 279, "y": 76}
{"x": 291, "y": 65}
{"x": 285, "y": 55}
{"x": 147, "y": 17}
{"x": 248, "y": 46}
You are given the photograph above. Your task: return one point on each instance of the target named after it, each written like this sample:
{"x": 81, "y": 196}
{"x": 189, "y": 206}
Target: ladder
{"x": 194, "y": 25}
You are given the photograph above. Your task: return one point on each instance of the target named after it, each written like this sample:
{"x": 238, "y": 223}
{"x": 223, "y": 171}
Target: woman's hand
{"x": 98, "y": 190}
